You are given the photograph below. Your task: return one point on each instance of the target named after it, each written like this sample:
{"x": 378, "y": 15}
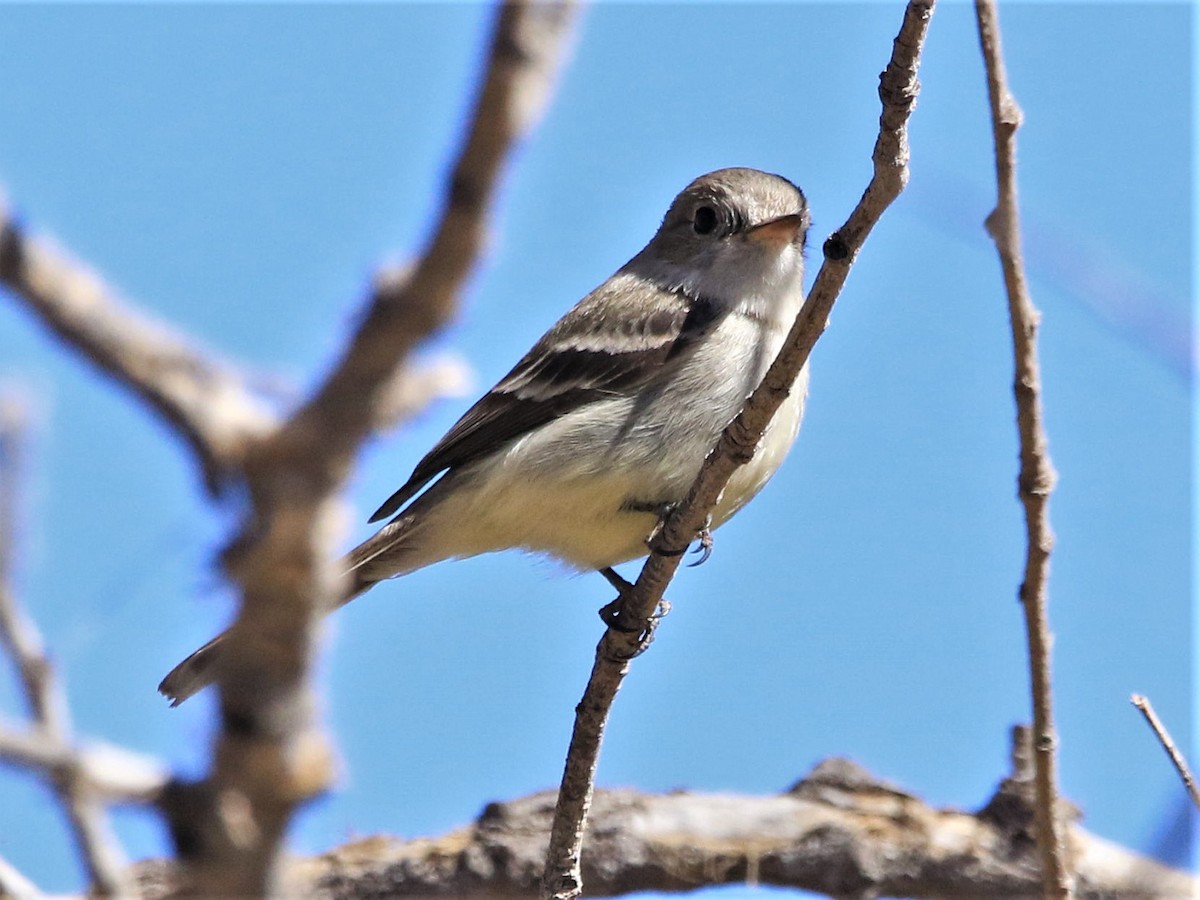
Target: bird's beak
{"x": 777, "y": 232}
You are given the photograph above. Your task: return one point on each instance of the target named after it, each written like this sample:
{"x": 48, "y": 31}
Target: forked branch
{"x": 270, "y": 755}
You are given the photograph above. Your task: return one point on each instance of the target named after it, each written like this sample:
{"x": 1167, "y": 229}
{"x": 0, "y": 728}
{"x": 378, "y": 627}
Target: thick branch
{"x": 839, "y": 832}
{"x": 203, "y": 399}
{"x": 270, "y": 755}
{"x": 1036, "y": 479}
{"x": 898, "y": 88}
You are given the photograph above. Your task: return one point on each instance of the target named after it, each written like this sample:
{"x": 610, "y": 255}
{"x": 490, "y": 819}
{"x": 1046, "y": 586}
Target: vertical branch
{"x": 898, "y": 87}
{"x": 1037, "y": 476}
{"x": 271, "y": 755}
{"x": 97, "y": 844}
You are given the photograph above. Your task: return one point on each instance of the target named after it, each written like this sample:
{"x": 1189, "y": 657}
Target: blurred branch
{"x": 1164, "y": 738}
{"x": 898, "y": 89}
{"x": 1037, "y": 476}
{"x": 203, "y": 399}
{"x": 411, "y": 303}
{"x": 270, "y": 755}
{"x": 840, "y": 832}
{"x": 113, "y": 774}
{"x": 77, "y": 779}
{"x": 412, "y": 389}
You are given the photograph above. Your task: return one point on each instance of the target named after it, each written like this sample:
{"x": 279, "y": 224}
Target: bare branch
{"x": 202, "y": 398}
{"x": 409, "y": 305}
{"x": 414, "y": 388}
{"x": 1037, "y": 477}
{"x": 1164, "y": 738}
{"x": 270, "y": 755}
{"x": 49, "y": 748}
{"x": 18, "y": 635}
{"x": 113, "y": 774}
{"x": 840, "y": 831}
{"x": 898, "y": 89}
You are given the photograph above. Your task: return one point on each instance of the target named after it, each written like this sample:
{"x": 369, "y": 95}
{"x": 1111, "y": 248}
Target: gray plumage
{"x": 610, "y": 415}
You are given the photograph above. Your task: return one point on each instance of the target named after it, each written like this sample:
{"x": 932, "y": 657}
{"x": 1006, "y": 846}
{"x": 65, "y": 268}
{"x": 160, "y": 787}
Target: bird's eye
{"x": 705, "y": 220}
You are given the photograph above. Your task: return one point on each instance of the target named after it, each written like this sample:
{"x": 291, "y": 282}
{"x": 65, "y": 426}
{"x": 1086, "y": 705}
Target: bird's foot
{"x": 704, "y": 541}
{"x": 614, "y": 615}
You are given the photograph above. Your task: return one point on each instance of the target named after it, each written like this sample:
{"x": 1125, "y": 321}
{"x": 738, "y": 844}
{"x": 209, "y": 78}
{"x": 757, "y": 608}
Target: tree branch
{"x": 409, "y": 305}
{"x": 1037, "y": 476}
{"x": 898, "y": 89}
{"x": 77, "y": 779}
{"x": 1173, "y": 753}
{"x": 840, "y": 832}
{"x": 270, "y": 755}
{"x": 202, "y": 398}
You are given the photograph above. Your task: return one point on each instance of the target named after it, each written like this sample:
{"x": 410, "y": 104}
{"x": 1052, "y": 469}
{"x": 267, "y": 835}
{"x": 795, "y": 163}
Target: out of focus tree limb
{"x": 839, "y": 832}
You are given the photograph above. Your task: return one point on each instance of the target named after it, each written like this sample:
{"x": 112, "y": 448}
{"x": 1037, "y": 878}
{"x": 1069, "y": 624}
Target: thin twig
{"x": 1037, "y": 476}
{"x": 204, "y": 399}
{"x": 270, "y": 755}
{"x": 1164, "y": 738}
{"x": 898, "y": 91}
{"x": 98, "y": 846}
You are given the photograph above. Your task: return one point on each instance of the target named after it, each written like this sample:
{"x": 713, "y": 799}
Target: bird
{"x": 601, "y": 428}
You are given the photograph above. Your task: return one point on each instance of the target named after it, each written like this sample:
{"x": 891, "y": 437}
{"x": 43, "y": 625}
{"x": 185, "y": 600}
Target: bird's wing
{"x": 611, "y": 344}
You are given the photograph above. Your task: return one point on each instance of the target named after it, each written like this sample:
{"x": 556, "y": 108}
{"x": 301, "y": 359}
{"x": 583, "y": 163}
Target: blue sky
{"x": 240, "y": 171}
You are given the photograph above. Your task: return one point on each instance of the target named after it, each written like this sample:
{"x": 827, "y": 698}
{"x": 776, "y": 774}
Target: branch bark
{"x": 840, "y": 832}
{"x": 270, "y": 755}
{"x": 898, "y": 89}
{"x": 1037, "y": 476}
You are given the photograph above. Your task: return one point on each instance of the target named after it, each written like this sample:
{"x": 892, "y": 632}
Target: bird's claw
{"x": 704, "y": 544}
{"x": 704, "y": 540}
{"x": 613, "y": 614}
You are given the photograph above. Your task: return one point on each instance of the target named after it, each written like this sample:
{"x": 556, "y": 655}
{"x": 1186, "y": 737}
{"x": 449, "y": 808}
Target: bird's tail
{"x": 200, "y": 669}
{"x": 389, "y": 552}
{"x": 193, "y": 674}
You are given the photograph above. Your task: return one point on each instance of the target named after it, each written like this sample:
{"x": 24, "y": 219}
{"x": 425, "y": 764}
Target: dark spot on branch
{"x": 11, "y": 250}
{"x": 181, "y": 803}
{"x": 836, "y": 249}
{"x": 465, "y": 193}
{"x": 506, "y": 48}
{"x": 238, "y": 722}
